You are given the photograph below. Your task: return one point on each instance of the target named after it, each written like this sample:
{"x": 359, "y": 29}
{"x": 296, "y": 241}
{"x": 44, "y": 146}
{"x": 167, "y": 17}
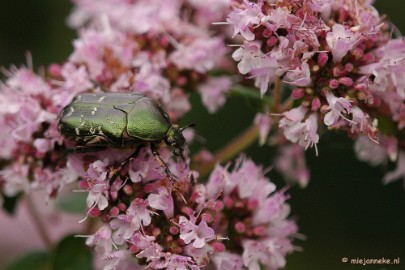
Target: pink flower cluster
{"x": 164, "y": 50}
{"x": 146, "y": 215}
{"x": 31, "y": 151}
{"x": 236, "y": 220}
{"x": 254, "y": 217}
{"x": 160, "y": 54}
{"x": 338, "y": 59}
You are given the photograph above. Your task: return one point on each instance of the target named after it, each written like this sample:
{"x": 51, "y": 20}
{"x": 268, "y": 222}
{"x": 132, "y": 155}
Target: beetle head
{"x": 176, "y": 139}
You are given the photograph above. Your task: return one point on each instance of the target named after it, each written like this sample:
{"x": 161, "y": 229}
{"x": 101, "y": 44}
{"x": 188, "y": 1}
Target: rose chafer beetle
{"x": 120, "y": 120}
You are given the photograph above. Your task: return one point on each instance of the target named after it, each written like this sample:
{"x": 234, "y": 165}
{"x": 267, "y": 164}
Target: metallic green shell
{"x": 148, "y": 121}
{"x": 118, "y": 118}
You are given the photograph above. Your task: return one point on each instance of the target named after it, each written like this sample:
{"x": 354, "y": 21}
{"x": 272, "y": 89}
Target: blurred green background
{"x": 344, "y": 212}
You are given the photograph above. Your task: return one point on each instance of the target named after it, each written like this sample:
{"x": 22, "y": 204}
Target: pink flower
{"x": 279, "y": 18}
{"x": 376, "y": 153}
{"x": 241, "y": 178}
{"x": 242, "y": 20}
{"x": 301, "y": 76}
{"x": 144, "y": 168}
{"x": 201, "y": 55}
{"x": 154, "y": 254}
{"x": 228, "y": 261}
{"x": 181, "y": 262}
{"x": 90, "y": 47}
{"x": 160, "y": 260}
{"x": 337, "y": 107}
{"x": 248, "y": 191}
{"x": 341, "y": 41}
{"x": 295, "y": 130}
{"x": 116, "y": 258}
{"x": 271, "y": 208}
{"x": 249, "y": 57}
{"x": 150, "y": 81}
{"x": 199, "y": 234}
{"x": 263, "y": 122}
{"x": 141, "y": 241}
{"x": 265, "y": 72}
{"x": 101, "y": 240}
{"x": 124, "y": 228}
{"x": 178, "y": 103}
{"x": 139, "y": 213}
{"x": 361, "y": 124}
{"x": 15, "y": 178}
{"x": 140, "y": 17}
{"x": 291, "y": 163}
{"x": 97, "y": 185}
{"x": 255, "y": 254}
{"x": 399, "y": 171}
{"x": 200, "y": 255}
{"x": 213, "y": 92}
{"x": 26, "y": 81}
{"x": 215, "y": 186}
{"x": 324, "y": 7}
{"x": 98, "y": 195}
{"x": 162, "y": 201}
{"x": 293, "y": 116}
{"x": 387, "y": 72}
{"x": 310, "y": 136}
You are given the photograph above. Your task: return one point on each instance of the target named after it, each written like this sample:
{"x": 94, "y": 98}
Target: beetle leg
{"x": 163, "y": 164}
{"x": 171, "y": 176}
{"x": 114, "y": 172}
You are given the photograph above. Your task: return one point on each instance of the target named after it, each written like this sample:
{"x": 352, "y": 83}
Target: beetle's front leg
{"x": 114, "y": 173}
{"x": 163, "y": 164}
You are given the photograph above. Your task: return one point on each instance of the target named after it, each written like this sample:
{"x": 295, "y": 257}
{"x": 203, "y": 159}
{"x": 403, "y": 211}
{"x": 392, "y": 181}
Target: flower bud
{"x": 297, "y": 93}
{"x": 240, "y": 227}
{"x": 315, "y": 104}
{"x": 346, "y": 81}
{"x": 322, "y": 59}
{"x": 333, "y": 84}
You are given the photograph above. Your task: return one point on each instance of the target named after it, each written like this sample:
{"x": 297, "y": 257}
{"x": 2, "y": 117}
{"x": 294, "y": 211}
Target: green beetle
{"x": 120, "y": 120}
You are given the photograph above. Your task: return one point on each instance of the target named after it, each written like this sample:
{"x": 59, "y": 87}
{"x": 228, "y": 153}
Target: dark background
{"x": 344, "y": 212}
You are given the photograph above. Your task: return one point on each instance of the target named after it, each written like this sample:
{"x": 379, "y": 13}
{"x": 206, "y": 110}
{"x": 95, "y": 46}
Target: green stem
{"x": 248, "y": 136}
{"x": 232, "y": 149}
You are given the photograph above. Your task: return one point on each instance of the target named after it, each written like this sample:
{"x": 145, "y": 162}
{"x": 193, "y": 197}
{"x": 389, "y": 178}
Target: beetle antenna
{"x": 189, "y": 125}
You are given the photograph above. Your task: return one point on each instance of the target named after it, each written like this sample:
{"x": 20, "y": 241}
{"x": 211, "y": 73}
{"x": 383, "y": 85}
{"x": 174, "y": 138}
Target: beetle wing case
{"x": 148, "y": 121}
{"x": 93, "y": 115}
{"x": 115, "y": 119}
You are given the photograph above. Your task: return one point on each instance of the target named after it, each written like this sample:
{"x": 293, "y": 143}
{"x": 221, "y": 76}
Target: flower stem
{"x": 248, "y": 136}
{"x": 237, "y": 145}
{"x": 38, "y": 223}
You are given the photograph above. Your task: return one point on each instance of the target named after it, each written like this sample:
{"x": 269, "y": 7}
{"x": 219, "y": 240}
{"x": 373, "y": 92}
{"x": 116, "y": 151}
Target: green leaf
{"x": 73, "y": 202}
{"x": 72, "y": 253}
{"x": 38, "y": 260}
{"x": 10, "y": 203}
